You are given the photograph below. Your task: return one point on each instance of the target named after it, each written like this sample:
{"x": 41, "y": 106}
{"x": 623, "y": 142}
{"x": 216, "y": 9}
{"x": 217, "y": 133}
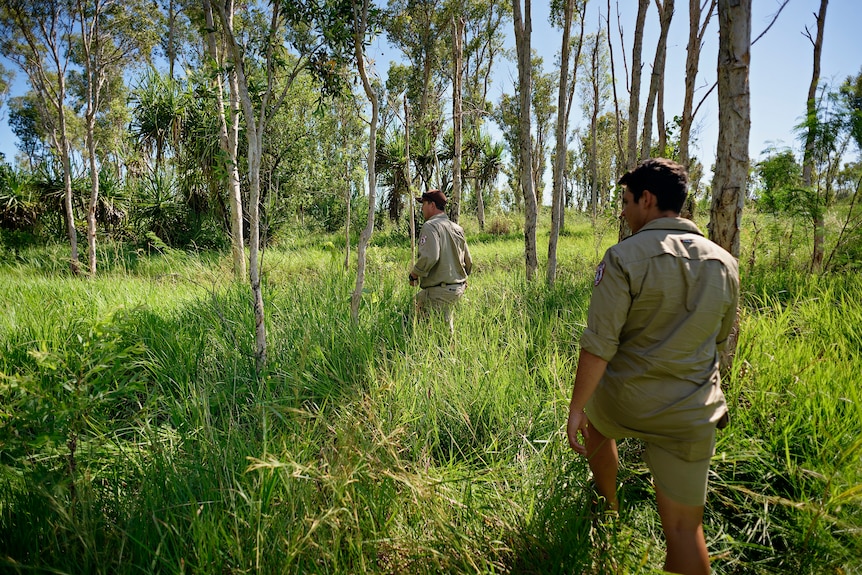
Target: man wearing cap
{"x": 663, "y": 304}
{"x": 443, "y": 262}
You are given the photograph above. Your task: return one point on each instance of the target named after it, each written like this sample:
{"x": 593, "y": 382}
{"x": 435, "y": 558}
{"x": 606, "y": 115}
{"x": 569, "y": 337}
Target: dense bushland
{"x": 135, "y": 435}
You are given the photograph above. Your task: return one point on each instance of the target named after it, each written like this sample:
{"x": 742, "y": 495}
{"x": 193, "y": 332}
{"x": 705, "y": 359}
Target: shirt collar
{"x": 675, "y": 224}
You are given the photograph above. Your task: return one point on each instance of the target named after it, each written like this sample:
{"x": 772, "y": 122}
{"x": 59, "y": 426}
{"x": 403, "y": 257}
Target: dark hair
{"x": 665, "y": 179}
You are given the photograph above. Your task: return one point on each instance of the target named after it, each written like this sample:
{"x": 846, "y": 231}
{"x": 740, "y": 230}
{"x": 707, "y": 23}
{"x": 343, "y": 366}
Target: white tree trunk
{"x": 360, "y": 23}
{"x": 458, "y": 56}
{"x": 254, "y": 132}
{"x": 228, "y": 140}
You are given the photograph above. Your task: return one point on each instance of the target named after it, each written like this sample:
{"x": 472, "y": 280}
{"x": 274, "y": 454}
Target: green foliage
{"x": 385, "y": 445}
{"x": 779, "y": 174}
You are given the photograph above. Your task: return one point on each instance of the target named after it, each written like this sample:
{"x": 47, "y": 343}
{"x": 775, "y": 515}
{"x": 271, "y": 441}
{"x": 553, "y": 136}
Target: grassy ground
{"x": 136, "y": 437}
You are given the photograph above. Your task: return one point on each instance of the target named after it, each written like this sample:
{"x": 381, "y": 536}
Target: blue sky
{"x": 780, "y": 66}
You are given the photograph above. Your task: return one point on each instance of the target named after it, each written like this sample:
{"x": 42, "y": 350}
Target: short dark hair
{"x": 665, "y": 179}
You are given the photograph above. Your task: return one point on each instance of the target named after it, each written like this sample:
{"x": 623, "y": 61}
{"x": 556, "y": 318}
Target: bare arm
{"x": 591, "y": 368}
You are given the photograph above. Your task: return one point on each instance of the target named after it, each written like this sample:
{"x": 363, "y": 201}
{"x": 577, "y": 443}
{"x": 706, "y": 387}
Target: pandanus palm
{"x": 158, "y": 110}
{"x": 391, "y": 164}
{"x": 489, "y": 164}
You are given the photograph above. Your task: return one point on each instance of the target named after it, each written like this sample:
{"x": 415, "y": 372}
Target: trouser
{"x": 441, "y": 299}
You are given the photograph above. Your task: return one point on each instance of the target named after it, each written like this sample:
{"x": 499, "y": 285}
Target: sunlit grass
{"x": 387, "y": 445}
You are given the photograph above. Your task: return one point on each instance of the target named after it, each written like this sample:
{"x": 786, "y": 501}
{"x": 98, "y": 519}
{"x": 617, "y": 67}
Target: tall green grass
{"x": 136, "y": 436}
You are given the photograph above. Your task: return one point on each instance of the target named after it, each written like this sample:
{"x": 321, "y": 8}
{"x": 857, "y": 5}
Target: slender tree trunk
{"x": 65, "y": 158}
{"x": 347, "y": 218}
{"x": 92, "y": 70}
{"x": 480, "y": 206}
{"x": 523, "y": 30}
{"x": 634, "y": 101}
{"x": 594, "y": 131}
{"x": 562, "y": 132}
{"x": 635, "y": 93}
{"x": 94, "y": 191}
{"x": 360, "y": 22}
{"x": 410, "y": 197}
{"x": 810, "y": 141}
{"x": 228, "y": 138}
{"x": 696, "y": 31}
{"x": 255, "y": 148}
{"x": 734, "y": 123}
{"x": 617, "y": 124}
{"x": 665, "y": 13}
{"x": 254, "y": 131}
{"x": 458, "y": 56}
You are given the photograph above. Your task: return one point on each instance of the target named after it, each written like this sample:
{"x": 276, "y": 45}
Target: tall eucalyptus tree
{"x": 362, "y": 24}
{"x": 228, "y": 129}
{"x": 319, "y": 32}
{"x": 112, "y": 35}
{"x": 808, "y": 160}
{"x": 699, "y": 18}
{"x": 655, "y": 96}
{"x": 417, "y": 29}
{"x": 634, "y": 100}
{"x": 564, "y": 99}
{"x": 734, "y": 123}
{"x": 38, "y": 37}
{"x": 523, "y": 21}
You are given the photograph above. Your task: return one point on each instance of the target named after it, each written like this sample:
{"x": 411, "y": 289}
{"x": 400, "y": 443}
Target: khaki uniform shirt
{"x": 444, "y": 257}
{"x": 664, "y": 301}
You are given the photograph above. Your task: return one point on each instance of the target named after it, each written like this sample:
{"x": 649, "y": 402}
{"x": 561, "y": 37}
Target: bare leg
{"x": 683, "y": 529}
{"x": 604, "y": 463}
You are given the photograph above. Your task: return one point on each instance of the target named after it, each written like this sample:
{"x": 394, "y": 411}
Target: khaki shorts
{"x": 679, "y": 467}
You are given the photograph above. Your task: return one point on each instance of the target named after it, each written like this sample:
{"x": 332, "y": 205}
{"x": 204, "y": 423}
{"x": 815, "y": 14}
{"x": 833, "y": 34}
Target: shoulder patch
{"x": 422, "y": 240}
{"x": 600, "y": 273}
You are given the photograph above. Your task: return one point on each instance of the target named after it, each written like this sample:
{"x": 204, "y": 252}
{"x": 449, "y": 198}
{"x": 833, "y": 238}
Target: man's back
{"x": 670, "y": 295}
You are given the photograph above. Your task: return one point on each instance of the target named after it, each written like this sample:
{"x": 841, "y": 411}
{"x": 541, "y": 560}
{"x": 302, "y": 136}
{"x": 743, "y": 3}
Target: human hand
{"x": 577, "y": 423}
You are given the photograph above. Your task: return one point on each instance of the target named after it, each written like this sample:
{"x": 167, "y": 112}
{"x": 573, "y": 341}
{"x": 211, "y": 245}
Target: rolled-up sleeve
{"x": 428, "y": 253}
{"x": 732, "y": 281}
{"x": 609, "y": 308}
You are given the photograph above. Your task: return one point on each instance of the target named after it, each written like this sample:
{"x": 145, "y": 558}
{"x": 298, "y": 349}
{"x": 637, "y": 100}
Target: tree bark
{"x": 634, "y": 101}
{"x": 410, "y": 197}
{"x": 696, "y": 31}
{"x": 458, "y": 55}
{"x": 40, "y": 40}
{"x": 523, "y": 30}
{"x": 594, "y": 132}
{"x": 360, "y": 24}
{"x": 665, "y": 13}
{"x": 254, "y": 130}
{"x": 734, "y": 123}
{"x": 810, "y": 140}
{"x": 635, "y": 92}
{"x": 562, "y": 132}
{"x": 228, "y": 139}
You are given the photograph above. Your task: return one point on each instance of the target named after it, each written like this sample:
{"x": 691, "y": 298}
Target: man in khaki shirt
{"x": 443, "y": 263}
{"x": 664, "y": 302}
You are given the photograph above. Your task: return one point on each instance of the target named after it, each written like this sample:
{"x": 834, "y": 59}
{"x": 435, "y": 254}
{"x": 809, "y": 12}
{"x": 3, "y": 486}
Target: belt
{"x": 444, "y": 284}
